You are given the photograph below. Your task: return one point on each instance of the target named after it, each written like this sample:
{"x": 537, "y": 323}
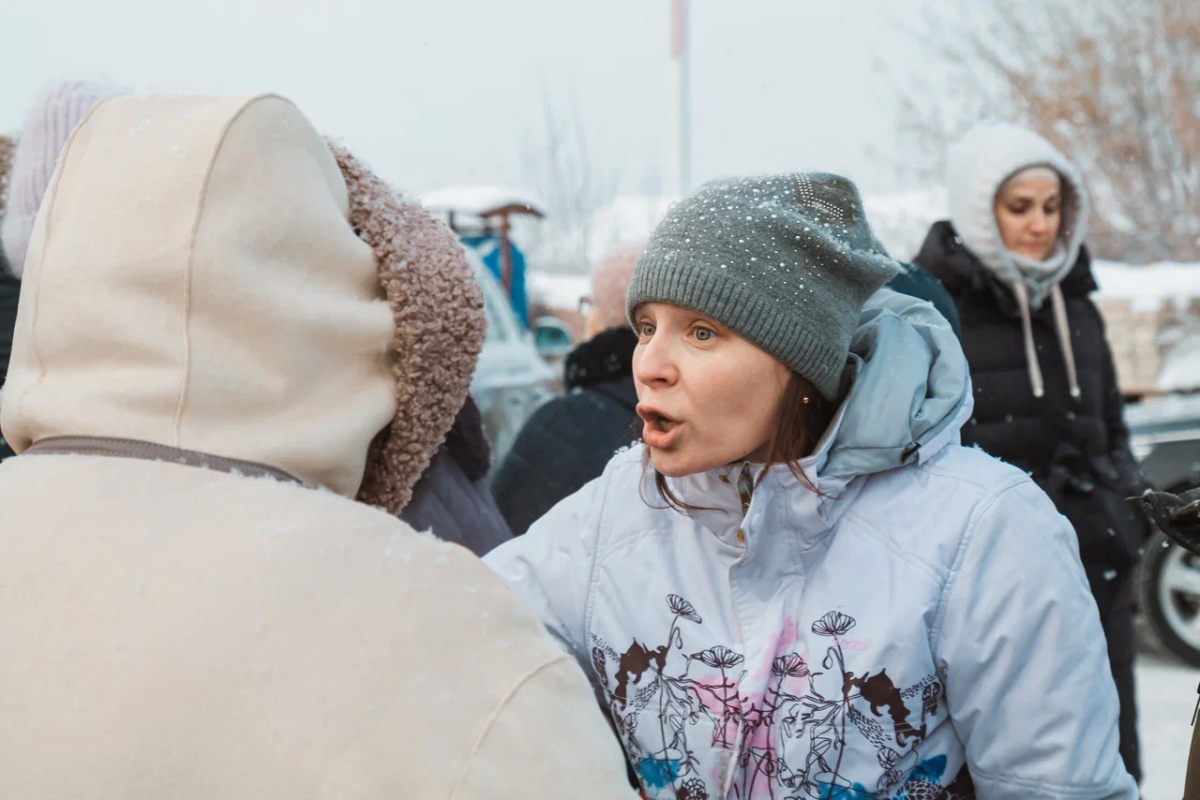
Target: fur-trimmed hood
{"x": 209, "y": 274}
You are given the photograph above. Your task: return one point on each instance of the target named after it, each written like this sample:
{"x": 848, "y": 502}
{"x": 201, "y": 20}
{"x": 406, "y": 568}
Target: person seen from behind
{"x": 237, "y": 349}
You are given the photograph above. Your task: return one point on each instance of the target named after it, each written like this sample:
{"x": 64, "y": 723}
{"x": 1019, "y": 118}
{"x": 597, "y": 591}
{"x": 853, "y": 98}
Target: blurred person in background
{"x": 452, "y": 498}
{"x": 26, "y": 165}
{"x": 916, "y": 282}
{"x": 569, "y": 440}
{"x": 1046, "y": 394}
{"x": 55, "y": 112}
{"x": 236, "y": 352}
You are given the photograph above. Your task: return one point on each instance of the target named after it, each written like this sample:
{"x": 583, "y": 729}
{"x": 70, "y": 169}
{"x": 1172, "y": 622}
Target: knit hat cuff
{"x": 767, "y": 324}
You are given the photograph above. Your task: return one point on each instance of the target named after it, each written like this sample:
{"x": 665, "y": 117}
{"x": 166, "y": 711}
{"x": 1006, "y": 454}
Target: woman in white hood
{"x": 1046, "y": 393}
{"x": 801, "y": 586}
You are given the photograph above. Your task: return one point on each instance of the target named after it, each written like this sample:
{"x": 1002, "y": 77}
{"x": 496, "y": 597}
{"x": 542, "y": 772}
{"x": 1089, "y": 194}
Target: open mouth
{"x": 659, "y": 430}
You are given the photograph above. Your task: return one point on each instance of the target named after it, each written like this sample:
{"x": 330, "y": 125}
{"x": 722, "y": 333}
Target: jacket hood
{"x": 978, "y": 165}
{"x": 207, "y": 274}
{"x": 911, "y": 390}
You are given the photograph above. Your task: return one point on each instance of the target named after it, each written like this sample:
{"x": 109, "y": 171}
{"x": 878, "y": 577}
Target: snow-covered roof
{"x": 479, "y": 200}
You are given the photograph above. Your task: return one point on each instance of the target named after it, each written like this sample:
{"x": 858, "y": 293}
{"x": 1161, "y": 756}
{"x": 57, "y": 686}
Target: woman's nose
{"x": 654, "y": 362}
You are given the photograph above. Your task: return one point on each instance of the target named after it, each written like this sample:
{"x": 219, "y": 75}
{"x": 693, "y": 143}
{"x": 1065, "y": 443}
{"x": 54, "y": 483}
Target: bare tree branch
{"x": 1113, "y": 83}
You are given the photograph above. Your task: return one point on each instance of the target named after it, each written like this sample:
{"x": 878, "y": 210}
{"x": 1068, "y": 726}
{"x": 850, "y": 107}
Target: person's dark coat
{"x": 10, "y": 294}
{"x": 452, "y": 498}
{"x": 1076, "y": 449}
{"x": 916, "y": 282}
{"x": 570, "y": 439}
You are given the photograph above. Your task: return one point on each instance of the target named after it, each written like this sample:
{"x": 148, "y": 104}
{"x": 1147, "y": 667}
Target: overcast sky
{"x": 443, "y": 93}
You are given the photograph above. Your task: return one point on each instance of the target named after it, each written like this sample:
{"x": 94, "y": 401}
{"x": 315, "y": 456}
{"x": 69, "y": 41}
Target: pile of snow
{"x": 1180, "y": 370}
{"x": 1153, "y": 288}
{"x": 1148, "y": 285}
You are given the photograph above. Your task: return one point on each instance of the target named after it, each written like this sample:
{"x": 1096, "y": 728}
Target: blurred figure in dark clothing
{"x": 570, "y": 439}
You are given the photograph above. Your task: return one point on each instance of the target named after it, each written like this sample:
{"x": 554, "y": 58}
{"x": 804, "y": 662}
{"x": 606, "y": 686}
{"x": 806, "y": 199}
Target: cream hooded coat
{"x": 195, "y": 280}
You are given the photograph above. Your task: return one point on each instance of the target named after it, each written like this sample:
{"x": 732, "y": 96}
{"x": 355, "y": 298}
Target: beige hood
{"x": 205, "y": 274}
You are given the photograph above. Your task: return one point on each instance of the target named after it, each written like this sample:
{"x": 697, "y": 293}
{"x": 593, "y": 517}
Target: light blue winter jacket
{"x": 921, "y": 628}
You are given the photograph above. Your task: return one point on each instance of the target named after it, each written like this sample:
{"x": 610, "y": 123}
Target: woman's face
{"x": 1029, "y": 214}
{"x": 707, "y": 396}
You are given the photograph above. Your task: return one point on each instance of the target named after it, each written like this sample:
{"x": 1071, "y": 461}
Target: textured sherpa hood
{"x": 209, "y": 274}
{"x": 978, "y": 165}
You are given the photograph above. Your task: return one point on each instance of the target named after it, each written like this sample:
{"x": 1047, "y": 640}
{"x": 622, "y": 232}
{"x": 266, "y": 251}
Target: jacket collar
{"x": 780, "y": 495}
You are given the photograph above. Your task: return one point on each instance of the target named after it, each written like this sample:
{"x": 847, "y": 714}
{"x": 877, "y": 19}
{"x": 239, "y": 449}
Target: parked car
{"x": 1165, "y": 435}
{"x": 512, "y": 379}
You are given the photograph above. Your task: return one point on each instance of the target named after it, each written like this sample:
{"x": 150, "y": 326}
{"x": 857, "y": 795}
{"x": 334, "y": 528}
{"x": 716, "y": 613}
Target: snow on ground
{"x": 1166, "y": 692}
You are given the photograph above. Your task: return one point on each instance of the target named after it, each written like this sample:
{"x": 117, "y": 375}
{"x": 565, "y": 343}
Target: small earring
{"x": 804, "y": 400}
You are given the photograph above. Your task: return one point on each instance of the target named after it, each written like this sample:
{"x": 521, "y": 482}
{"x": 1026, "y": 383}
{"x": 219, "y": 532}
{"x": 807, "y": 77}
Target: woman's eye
{"x": 646, "y": 329}
{"x": 1051, "y": 210}
{"x": 704, "y": 334}
{"x": 1018, "y": 209}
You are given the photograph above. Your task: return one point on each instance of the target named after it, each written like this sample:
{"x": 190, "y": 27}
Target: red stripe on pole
{"x": 678, "y": 12}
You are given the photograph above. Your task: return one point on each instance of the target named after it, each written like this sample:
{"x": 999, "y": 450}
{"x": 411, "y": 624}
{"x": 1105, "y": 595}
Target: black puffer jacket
{"x": 1076, "y": 449}
{"x": 452, "y": 498}
{"x": 10, "y": 293}
{"x": 570, "y": 439}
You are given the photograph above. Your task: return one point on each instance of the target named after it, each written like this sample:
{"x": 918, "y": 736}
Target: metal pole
{"x": 685, "y": 110}
{"x": 678, "y": 144}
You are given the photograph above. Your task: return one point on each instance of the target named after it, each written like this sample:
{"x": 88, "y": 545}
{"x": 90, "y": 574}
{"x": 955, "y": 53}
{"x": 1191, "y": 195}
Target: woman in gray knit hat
{"x": 801, "y": 585}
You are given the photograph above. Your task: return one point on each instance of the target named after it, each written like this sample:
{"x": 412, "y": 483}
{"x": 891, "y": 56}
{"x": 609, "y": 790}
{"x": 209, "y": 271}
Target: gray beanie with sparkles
{"x": 786, "y": 261}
